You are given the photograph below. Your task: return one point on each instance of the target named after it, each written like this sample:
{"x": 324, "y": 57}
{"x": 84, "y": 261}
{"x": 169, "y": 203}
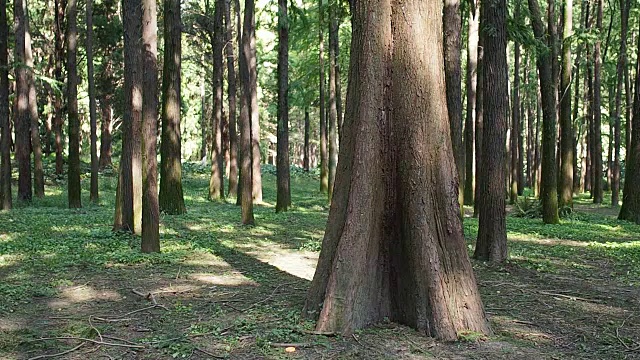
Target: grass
{"x": 227, "y": 290}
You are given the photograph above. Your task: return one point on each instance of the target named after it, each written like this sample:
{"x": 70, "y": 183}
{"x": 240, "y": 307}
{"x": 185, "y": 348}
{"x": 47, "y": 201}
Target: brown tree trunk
{"x": 282, "y": 170}
{"x": 549, "y": 192}
{"x": 232, "y": 96}
{"x": 491, "y": 244}
{"x": 567, "y": 142}
{"x": 105, "y": 132}
{"x": 171, "y": 197}
{"x": 324, "y": 156}
{"x": 36, "y": 146}
{"x": 60, "y": 9}
{"x": 333, "y": 109}
{"x": 216, "y": 182}
{"x": 72, "y": 107}
{"x": 92, "y": 104}
{"x": 402, "y": 254}
{"x": 622, "y": 66}
{"x": 246, "y": 153}
{"x": 515, "y": 122}
{"x": 306, "y": 162}
{"x": 479, "y": 118}
{"x": 597, "y": 114}
{"x": 150, "y": 206}
{"x": 249, "y": 36}
{"x": 22, "y": 118}
{"x": 6, "y": 201}
{"x": 471, "y": 83}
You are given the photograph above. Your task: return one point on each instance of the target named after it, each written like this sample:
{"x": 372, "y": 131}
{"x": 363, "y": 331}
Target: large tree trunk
{"x": 452, "y": 26}
{"x": 60, "y": 9}
{"x": 394, "y": 246}
{"x": 567, "y": 142}
{"x": 216, "y": 182}
{"x": 72, "y": 107}
{"x": 150, "y": 206}
{"x": 171, "y": 196}
{"x": 324, "y": 156}
{"x": 22, "y": 118}
{"x": 549, "y": 192}
{"x": 622, "y": 67}
{"x": 471, "y": 83}
{"x": 630, "y": 209}
{"x": 232, "y": 96}
{"x": 333, "y": 109}
{"x": 492, "y": 228}
{"x": 597, "y": 186}
{"x": 282, "y": 170}
{"x": 249, "y": 36}
{"x": 92, "y": 104}
{"x": 6, "y": 201}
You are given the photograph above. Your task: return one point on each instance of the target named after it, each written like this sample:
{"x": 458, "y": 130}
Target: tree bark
{"x": 6, "y": 200}
{"x": 36, "y": 146}
{"x": 622, "y": 66}
{"x": 105, "y": 132}
{"x": 479, "y": 117}
{"x": 307, "y": 134}
{"x": 471, "y": 84}
{"x": 394, "y": 246}
{"x": 549, "y": 192}
{"x": 597, "y": 186}
{"x": 249, "y": 35}
{"x": 232, "y": 96}
{"x": 246, "y": 153}
{"x": 171, "y": 198}
{"x": 567, "y": 142}
{"x": 60, "y": 9}
{"x": 324, "y": 156}
{"x": 515, "y": 123}
{"x": 333, "y": 109}
{"x": 216, "y": 182}
{"x": 491, "y": 244}
{"x": 92, "y": 104}
{"x": 283, "y": 200}
{"x": 22, "y": 118}
{"x": 73, "y": 181}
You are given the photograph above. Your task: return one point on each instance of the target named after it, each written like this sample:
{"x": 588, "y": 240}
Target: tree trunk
{"x": 22, "y": 118}
{"x": 471, "y": 83}
{"x": 479, "y": 117}
{"x": 567, "y": 142}
{"x": 549, "y": 192}
{"x": 36, "y": 146}
{"x": 105, "y": 132}
{"x": 216, "y": 182}
{"x": 402, "y": 254}
{"x": 597, "y": 114}
{"x": 75, "y": 200}
{"x": 171, "y": 196}
{"x": 622, "y": 66}
{"x": 630, "y": 209}
{"x": 491, "y": 244}
{"x": 333, "y": 109}
{"x": 60, "y": 9}
{"x": 452, "y": 26}
{"x": 324, "y": 156}
{"x": 232, "y": 96}
{"x": 92, "y": 105}
{"x": 282, "y": 170}
{"x": 249, "y": 36}
{"x": 307, "y": 150}
{"x": 515, "y": 122}
{"x": 6, "y": 201}
{"x": 150, "y": 206}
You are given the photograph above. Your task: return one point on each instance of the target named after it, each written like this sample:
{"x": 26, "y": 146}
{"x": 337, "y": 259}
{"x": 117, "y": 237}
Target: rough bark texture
{"x": 92, "y": 104}
{"x": 246, "y": 153}
{"x": 452, "y": 26}
{"x": 324, "y": 156}
{"x": 471, "y": 83}
{"x": 73, "y": 182}
{"x": 249, "y": 36}
{"x": 6, "y": 201}
{"x": 36, "y": 146}
{"x": 283, "y": 200}
{"x": 567, "y": 147}
{"x": 333, "y": 105}
{"x": 22, "y": 118}
{"x": 548, "y": 190}
{"x": 515, "y": 125}
{"x": 597, "y": 185}
{"x": 479, "y": 119}
{"x": 622, "y": 65}
{"x": 60, "y": 9}
{"x": 171, "y": 195}
{"x": 216, "y": 182}
{"x": 232, "y": 96}
{"x": 307, "y": 149}
{"x": 150, "y": 206}
{"x": 394, "y": 246}
{"x": 492, "y": 227}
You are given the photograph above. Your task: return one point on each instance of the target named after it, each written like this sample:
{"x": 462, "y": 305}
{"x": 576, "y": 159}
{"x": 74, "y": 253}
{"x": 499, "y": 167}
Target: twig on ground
{"x": 96, "y": 329}
{"x": 570, "y": 297}
{"x": 319, "y": 333}
{"x": 60, "y": 353}
{"x": 112, "y": 320}
{"x": 629, "y": 348}
{"x": 89, "y": 340}
{"x": 295, "y": 345}
{"x": 118, "y": 339}
{"x": 356, "y": 338}
{"x": 178, "y": 274}
{"x": 210, "y": 354}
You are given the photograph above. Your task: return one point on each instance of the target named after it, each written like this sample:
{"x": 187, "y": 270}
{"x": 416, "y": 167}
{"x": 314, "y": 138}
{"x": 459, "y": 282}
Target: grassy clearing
{"x": 225, "y": 290}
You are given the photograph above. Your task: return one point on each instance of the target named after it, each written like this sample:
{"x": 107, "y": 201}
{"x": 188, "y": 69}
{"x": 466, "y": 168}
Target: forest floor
{"x": 222, "y": 290}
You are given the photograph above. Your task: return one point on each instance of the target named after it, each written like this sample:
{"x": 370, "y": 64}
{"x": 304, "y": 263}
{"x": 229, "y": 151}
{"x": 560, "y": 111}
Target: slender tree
{"x": 282, "y": 170}
{"x": 216, "y": 182}
{"x": 471, "y": 83}
{"x": 6, "y": 201}
{"x": 246, "y": 153}
{"x": 232, "y": 96}
{"x": 333, "y": 102}
{"x": 22, "y": 119}
{"x": 36, "y": 146}
{"x": 621, "y": 68}
{"x": 567, "y": 147}
{"x": 72, "y": 106}
{"x": 515, "y": 122}
{"x": 171, "y": 195}
{"x": 249, "y": 37}
{"x": 479, "y": 119}
{"x": 324, "y": 156}
{"x": 60, "y": 9}
{"x": 105, "y": 132}
{"x": 307, "y": 134}
{"x": 597, "y": 186}
{"x": 92, "y": 104}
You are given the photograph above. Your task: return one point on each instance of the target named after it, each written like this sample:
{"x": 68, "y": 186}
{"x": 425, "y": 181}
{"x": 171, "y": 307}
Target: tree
{"x": 515, "y": 121}
{"x": 216, "y": 183}
{"x": 232, "y": 96}
{"x": 92, "y": 104}
{"x": 6, "y": 201}
{"x": 567, "y": 147}
{"x": 307, "y": 135}
{"x": 283, "y": 200}
{"x": 492, "y": 227}
{"x": 479, "y": 114}
{"x": 380, "y": 261}
{"x": 246, "y": 153}
{"x": 471, "y": 83}
{"x": 36, "y": 146}
{"x": 60, "y": 9}
{"x": 171, "y": 195}
{"x": 597, "y": 186}
{"x": 333, "y": 105}
{"x": 452, "y": 25}
{"x": 324, "y": 156}
{"x": 621, "y": 69}
{"x": 22, "y": 118}
{"x": 548, "y": 191}
{"x": 249, "y": 37}
{"x": 73, "y": 181}
{"x": 150, "y": 206}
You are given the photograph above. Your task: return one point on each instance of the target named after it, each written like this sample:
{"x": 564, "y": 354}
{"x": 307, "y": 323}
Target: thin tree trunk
{"x": 232, "y": 96}
{"x": 22, "y": 118}
{"x": 306, "y": 162}
{"x": 252, "y": 62}
{"x": 479, "y": 118}
{"x": 6, "y": 201}
{"x": 105, "y": 132}
{"x": 246, "y": 153}
{"x": 622, "y": 66}
{"x": 92, "y": 104}
{"x": 597, "y": 114}
{"x": 36, "y": 146}
{"x": 471, "y": 84}
{"x": 171, "y": 198}
{"x": 567, "y": 142}
{"x": 282, "y": 170}
{"x": 515, "y": 122}
{"x": 72, "y": 107}
{"x": 60, "y": 9}
{"x": 333, "y": 110}
{"x": 324, "y": 156}
{"x": 216, "y": 182}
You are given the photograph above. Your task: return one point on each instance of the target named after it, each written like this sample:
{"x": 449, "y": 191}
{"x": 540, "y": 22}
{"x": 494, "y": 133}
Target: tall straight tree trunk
{"x": 630, "y": 209}
{"x": 530, "y": 125}
{"x": 588, "y": 185}
{"x": 249, "y": 36}
{"x": 537, "y": 156}
{"x": 60, "y": 9}
{"x": 73, "y": 176}
{"x": 549, "y": 192}
{"x": 479, "y": 119}
{"x": 452, "y": 27}
{"x": 36, "y": 146}
{"x": 150, "y": 206}
{"x": 622, "y": 66}
{"x": 471, "y": 83}
{"x": 282, "y": 170}
{"x": 216, "y": 182}
{"x": 491, "y": 244}
{"x": 381, "y": 260}
{"x": 324, "y": 156}
{"x": 6, "y": 201}
{"x": 333, "y": 109}
{"x": 246, "y": 153}
{"x": 515, "y": 122}
{"x": 579, "y": 122}
{"x": 232, "y": 96}
{"x": 307, "y": 134}
{"x": 567, "y": 142}
{"x": 238, "y": 16}
{"x": 597, "y": 114}
{"x": 105, "y": 132}
{"x": 92, "y": 104}
{"x": 336, "y": 45}
{"x": 171, "y": 196}
{"x": 22, "y": 118}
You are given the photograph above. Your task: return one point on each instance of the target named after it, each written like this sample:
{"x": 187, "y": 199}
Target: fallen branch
{"x": 210, "y": 354}
{"x": 294, "y": 345}
{"x": 570, "y": 297}
{"x": 89, "y": 340}
{"x": 58, "y": 354}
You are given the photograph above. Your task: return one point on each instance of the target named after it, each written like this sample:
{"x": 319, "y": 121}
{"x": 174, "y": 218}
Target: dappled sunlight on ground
{"x": 69, "y": 296}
